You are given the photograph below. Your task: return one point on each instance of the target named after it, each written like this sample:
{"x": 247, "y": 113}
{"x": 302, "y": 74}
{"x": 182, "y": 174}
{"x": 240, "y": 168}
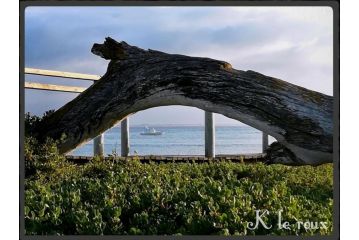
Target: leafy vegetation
{"x": 128, "y": 197}
{"x": 33, "y": 122}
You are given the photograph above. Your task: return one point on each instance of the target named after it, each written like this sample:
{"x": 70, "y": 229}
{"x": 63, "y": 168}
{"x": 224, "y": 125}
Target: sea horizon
{"x": 185, "y": 139}
{"x": 178, "y": 125}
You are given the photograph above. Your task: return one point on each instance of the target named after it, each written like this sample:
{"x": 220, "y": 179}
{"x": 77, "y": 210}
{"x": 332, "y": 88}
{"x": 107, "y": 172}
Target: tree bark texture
{"x": 300, "y": 119}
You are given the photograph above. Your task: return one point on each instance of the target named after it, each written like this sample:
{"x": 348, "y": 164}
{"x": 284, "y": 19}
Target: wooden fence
{"x": 125, "y": 144}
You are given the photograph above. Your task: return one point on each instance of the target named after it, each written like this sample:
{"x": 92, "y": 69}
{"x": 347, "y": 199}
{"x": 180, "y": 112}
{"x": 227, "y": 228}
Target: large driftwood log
{"x": 136, "y": 79}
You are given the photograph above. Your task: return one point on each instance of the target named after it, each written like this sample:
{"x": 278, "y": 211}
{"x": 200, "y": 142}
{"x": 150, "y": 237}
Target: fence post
{"x": 209, "y": 133}
{"x": 264, "y": 141}
{"x": 125, "y": 143}
{"x": 98, "y": 145}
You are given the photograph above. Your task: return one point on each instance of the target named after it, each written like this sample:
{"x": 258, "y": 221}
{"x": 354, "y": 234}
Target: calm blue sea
{"x": 180, "y": 140}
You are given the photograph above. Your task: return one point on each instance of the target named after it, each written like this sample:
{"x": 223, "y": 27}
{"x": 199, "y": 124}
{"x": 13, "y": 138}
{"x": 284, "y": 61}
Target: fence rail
{"x": 53, "y": 87}
{"x": 99, "y": 140}
{"x": 51, "y": 73}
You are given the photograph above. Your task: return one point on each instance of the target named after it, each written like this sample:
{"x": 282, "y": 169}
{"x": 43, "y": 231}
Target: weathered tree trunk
{"x": 136, "y": 79}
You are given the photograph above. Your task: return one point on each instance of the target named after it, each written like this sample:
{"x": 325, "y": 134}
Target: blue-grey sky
{"x": 291, "y": 43}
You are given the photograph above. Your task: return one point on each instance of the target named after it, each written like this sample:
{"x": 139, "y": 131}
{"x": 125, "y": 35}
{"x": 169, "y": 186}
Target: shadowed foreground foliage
{"x": 127, "y": 197}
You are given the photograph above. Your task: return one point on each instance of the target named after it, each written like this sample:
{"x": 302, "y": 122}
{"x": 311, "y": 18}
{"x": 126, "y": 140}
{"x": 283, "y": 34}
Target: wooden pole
{"x": 98, "y": 145}
{"x": 209, "y": 133}
{"x": 125, "y": 143}
{"x": 264, "y": 141}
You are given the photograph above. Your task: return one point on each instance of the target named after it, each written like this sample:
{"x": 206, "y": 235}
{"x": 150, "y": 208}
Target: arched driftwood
{"x": 136, "y": 79}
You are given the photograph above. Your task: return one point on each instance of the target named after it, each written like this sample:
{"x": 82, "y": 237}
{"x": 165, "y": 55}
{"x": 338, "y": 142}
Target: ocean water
{"x": 180, "y": 140}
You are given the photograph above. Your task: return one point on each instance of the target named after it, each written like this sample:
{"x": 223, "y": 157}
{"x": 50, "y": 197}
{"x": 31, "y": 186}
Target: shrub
{"x": 131, "y": 198}
{"x": 127, "y": 197}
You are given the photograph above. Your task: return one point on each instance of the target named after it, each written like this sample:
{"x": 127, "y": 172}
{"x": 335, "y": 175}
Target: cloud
{"x": 291, "y": 43}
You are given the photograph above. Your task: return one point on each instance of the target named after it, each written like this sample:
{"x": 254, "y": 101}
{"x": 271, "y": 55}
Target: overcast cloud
{"x": 290, "y": 43}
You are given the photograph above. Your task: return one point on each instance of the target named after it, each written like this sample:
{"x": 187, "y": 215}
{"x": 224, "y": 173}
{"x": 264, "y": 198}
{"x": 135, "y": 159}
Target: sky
{"x": 294, "y": 44}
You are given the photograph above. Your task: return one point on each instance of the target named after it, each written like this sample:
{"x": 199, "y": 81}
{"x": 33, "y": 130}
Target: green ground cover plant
{"x": 129, "y": 197}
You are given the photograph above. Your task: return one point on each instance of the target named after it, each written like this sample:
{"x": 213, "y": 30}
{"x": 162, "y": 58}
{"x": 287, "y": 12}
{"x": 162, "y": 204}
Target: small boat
{"x": 151, "y": 131}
